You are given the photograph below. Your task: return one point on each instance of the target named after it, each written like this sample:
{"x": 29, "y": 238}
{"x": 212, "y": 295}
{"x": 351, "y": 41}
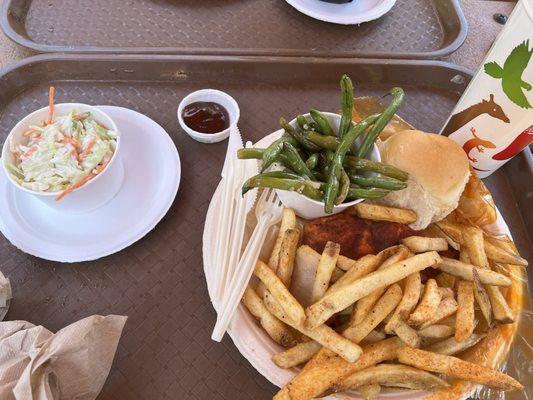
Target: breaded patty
{"x": 357, "y": 237}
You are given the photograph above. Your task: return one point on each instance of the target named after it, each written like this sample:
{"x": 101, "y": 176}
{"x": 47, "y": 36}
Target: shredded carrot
{"x": 50, "y": 106}
{"x": 87, "y": 150}
{"x": 102, "y": 166}
{"x": 29, "y": 132}
{"x": 73, "y": 142}
{"x": 74, "y": 186}
{"x": 30, "y": 151}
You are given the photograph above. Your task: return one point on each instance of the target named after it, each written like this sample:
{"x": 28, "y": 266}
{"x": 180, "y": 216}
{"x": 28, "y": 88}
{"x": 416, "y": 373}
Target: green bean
{"x": 296, "y": 162}
{"x": 304, "y": 124}
{"x": 322, "y": 122}
{"x": 250, "y": 153}
{"x": 361, "y": 193}
{"x": 274, "y": 150}
{"x": 347, "y": 105}
{"x": 312, "y": 161}
{"x": 298, "y": 136}
{"x": 302, "y": 186}
{"x": 326, "y": 142}
{"x": 336, "y": 168}
{"x": 343, "y": 188}
{"x": 362, "y": 164}
{"x": 325, "y": 160}
{"x": 397, "y": 99}
{"x": 377, "y": 182}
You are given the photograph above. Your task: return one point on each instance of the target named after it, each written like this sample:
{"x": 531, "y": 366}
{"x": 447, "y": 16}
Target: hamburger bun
{"x": 438, "y": 171}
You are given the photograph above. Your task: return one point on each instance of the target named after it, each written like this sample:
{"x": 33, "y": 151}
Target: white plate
{"x": 251, "y": 340}
{"x": 151, "y": 178}
{"x": 356, "y": 12}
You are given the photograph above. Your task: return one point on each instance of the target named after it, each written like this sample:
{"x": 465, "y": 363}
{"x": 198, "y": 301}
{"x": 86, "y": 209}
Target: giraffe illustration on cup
{"x": 511, "y": 74}
{"x": 476, "y": 143}
{"x": 460, "y": 119}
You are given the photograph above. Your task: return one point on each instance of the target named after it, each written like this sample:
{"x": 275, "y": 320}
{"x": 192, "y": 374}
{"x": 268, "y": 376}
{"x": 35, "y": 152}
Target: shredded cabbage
{"x": 58, "y": 155}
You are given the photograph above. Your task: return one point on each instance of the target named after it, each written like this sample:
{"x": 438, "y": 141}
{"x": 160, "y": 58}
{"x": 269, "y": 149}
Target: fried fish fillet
{"x": 356, "y": 236}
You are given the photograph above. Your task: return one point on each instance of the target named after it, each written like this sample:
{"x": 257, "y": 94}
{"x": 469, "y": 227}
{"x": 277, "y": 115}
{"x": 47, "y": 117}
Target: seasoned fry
{"x": 482, "y": 298}
{"x": 447, "y": 307}
{"x": 336, "y": 275}
{"x": 373, "y": 337}
{"x": 420, "y": 244}
{"x": 473, "y": 240}
{"x": 456, "y": 368}
{"x": 395, "y": 375}
{"x": 322, "y": 334}
{"x": 363, "y": 306}
{"x": 438, "y": 232}
{"x": 289, "y": 244}
{"x": 464, "y": 271}
{"x": 451, "y": 346}
{"x": 296, "y": 355}
{"x": 407, "y": 334}
{"x": 288, "y": 221}
{"x": 286, "y": 300}
{"x": 436, "y": 332}
{"x": 411, "y": 294}
{"x": 464, "y": 322}
{"x": 347, "y": 294}
{"x": 325, "y": 268}
{"x": 454, "y": 231}
{"x": 383, "y": 307}
{"x": 428, "y": 305}
{"x": 463, "y": 255}
{"x": 445, "y": 280}
{"x": 370, "y": 391}
{"x": 382, "y": 213}
{"x": 500, "y": 255}
{"x": 276, "y": 329}
{"x": 446, "y": 292}
{"x": 328, "y": 368}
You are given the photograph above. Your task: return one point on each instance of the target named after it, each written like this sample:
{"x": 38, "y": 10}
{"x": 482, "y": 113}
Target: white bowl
{"x": 304, "y": 206}
{"x": 215, "y": 96}
{"x": 94, "y": 193}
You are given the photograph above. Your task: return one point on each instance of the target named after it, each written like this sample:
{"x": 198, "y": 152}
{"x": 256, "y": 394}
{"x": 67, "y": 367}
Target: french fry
{"x": 377, "y": 212}
{"x": 336, "y": 275}
{"x": 428, "y": 305}
{"x": 447, "y": 307}
{"x": 452, "y": 230}
{"x": 496, "y": 252}
{"x": 436, "y": 332}
{"x": 411, "y": 294}
{"x": 451, "y": 346}
{"x": 407, "y": 334}
{"x": 328, "y": 368}
{"x": 363, "y": 306}
{"x": 296, "y": 355}
{"x": 464, "y": 322}
{"x": 349, "y": 293}
{"x": 287, "y": 252}
{"x": 385, "y": 305}
{"x": 438, "y": 232}
{"x": 293, "y": 309}
{"x": 373, "y": 337}
{"x": 421, "y": 244}
{"x": 369, "y": 391}
{"x": 288, "y": 221}
{"x": 395, "y": 375}
{"x": 345, "y": 263}
{"x": 445, "y": 280}
{"x": 446, "y": 292}
{"x": 456, "y": 368}
{"x": 325, "y": 268}
{"x": 276, "y": 329}
{"x": 482, "y": 298}
{"x": 464, "y": 271}
{"x": 322, "y": 334}
{"x": 463, "y": 255}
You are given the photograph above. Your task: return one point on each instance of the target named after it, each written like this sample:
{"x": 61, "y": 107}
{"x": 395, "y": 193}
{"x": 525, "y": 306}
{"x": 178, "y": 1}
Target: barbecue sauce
{"x": 206, "y": 117}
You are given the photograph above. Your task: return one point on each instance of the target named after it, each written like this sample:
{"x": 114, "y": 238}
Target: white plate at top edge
{"x": 251, "y": 340}
{"x": 152, "y": 172}
{"x": 356, "y": 12}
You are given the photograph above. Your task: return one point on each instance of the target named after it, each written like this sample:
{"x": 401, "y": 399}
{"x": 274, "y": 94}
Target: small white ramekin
{"x": 308, "y": 208}
{"x": 215, "y": 96}
{"x": 94, "y": 193}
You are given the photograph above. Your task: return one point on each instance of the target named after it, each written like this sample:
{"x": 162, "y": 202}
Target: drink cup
{"x": 493, "y": 120}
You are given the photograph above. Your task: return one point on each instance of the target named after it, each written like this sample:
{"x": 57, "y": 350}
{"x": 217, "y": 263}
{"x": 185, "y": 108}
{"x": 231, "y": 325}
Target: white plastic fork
{"x": 268, "y": 212}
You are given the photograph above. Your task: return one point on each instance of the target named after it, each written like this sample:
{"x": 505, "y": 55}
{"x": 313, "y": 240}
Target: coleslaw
{"x": 62, "y": 154}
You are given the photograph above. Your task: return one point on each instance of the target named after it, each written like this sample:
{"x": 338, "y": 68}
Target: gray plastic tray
{"x": 412, "y": 29}
{"x": 166, "y": 351}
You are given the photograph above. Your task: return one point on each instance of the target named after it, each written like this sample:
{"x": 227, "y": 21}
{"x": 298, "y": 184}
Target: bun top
{"x": 435, "y": 162}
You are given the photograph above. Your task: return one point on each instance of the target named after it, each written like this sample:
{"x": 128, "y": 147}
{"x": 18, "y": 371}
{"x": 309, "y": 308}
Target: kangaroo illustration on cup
{"x": 476, "y": 143}
{"x": 462, "y": 118}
